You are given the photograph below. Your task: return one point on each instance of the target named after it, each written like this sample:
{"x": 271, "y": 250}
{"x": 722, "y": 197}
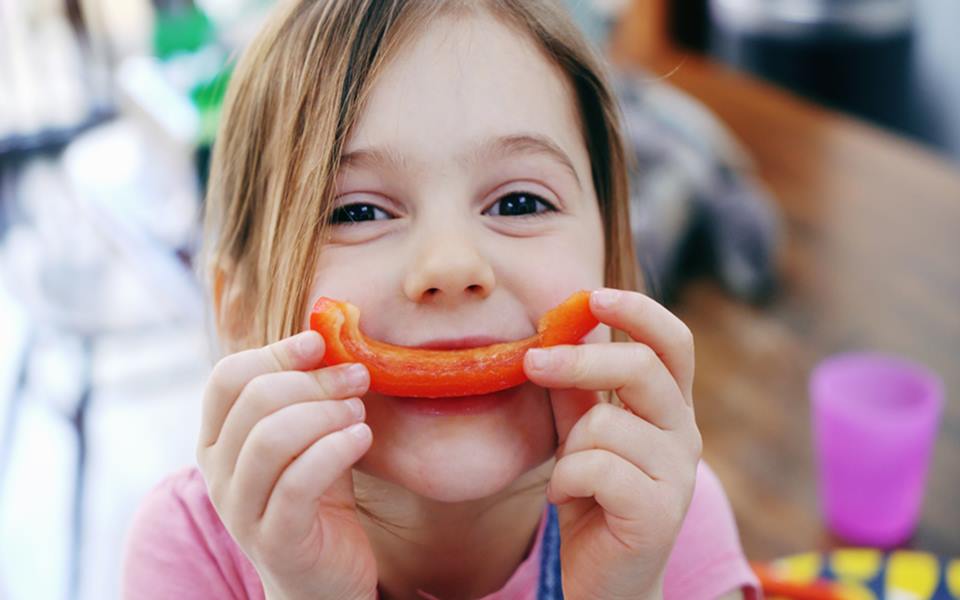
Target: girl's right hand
{"x": 278, "y": 441}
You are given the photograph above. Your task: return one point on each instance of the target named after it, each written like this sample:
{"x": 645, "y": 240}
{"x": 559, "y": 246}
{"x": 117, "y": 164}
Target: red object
{"x": 774, "y": 586}
{"x": 425, "y": 373}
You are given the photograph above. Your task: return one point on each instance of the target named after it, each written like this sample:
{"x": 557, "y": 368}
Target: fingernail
{"x": 361, "y": 431}
{"x": 356, "y": 407}
{"x": 307, "y": 343}
{"x": 605, "y": 298}
{"x": 539, "y": 359}
{"x": 551, "y": 359}
{"x": 356, "y": 376}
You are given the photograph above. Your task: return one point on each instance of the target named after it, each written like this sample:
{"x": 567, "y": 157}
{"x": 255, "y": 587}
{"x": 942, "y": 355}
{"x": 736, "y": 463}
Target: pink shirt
{"x": 178, "y": 548}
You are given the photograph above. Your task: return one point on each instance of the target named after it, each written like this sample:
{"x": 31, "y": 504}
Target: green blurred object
{"x": 182, "y": 30}
{"x": 208, "y": 98}
{"x": 187, "y": 30}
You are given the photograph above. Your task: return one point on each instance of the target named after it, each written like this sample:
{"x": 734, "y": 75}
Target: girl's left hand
{"x": 624, "y": 477}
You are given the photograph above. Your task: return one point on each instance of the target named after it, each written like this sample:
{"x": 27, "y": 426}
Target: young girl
{"x": 454, "y": 169}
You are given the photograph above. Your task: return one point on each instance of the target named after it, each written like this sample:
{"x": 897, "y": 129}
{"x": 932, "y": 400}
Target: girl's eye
{"x": 356, "y": 213}
{"x": 520, "y": 204}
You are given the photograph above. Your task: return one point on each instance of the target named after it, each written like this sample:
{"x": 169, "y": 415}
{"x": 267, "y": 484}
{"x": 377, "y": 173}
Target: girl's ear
{"x": 219, "y": 282}
{"x": 227, "y": 307}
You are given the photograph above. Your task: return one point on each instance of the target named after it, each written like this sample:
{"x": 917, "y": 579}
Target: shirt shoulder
{"x": 177, "y": 547}
{"x": 707, "y": 559}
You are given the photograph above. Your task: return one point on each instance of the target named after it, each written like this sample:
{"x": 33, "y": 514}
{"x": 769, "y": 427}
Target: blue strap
{"x": 550, "y": 587}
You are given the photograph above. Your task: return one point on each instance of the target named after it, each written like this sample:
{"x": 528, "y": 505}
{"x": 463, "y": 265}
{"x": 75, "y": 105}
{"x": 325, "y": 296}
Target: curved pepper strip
{"x": 430, "y": 373}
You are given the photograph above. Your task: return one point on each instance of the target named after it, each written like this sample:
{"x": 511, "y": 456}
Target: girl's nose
{"x": 446, "y": 267}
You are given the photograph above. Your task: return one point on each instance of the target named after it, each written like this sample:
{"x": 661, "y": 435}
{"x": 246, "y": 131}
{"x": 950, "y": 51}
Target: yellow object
{"x": 857, "y": 564}
{"x": 916, "y": 573}
{"x": 953, "y": 577}
{"x": 800, "y": 568}
{"x": 873, "y": 574}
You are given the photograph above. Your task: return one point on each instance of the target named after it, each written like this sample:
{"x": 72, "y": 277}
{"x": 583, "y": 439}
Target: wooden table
{"x": 870, "y": 260}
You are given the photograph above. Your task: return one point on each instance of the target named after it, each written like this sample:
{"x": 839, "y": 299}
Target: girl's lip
{"x": 465, "y": 405}
{"x": 460, "y": 343}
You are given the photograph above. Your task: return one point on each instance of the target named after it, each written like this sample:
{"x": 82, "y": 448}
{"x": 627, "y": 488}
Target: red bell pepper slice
{"x": 430, "y": 373}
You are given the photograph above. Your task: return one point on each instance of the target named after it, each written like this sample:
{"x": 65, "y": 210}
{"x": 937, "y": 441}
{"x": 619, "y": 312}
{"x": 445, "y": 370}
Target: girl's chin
{"x": 460, "y": 467}
{"x": 455, "y": 450}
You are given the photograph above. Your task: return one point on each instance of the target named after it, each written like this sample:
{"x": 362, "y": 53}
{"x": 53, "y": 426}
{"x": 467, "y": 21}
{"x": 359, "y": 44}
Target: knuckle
{"x": 223, "y": 374}
{"x": 343, "y": 448}
{"x": 602, "y": 464}
{"x": 598, "y": 421}
{"x": 328, "y": 382}
{"x": 274, "y": 357}
{"x": 561, "y": 471}
{"x": 263, "y": 440}
{"x": 344, "y": 414}
{"x": 223, "y": 367}
{"x": 259, "y": 389}
{"x": 581, "y": 366}
{"x": 645, "y": 356}
{"x": 328, "y": 413}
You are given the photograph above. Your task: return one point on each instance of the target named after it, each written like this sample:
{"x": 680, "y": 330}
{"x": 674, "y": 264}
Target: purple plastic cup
{"x": 875, "y": 420}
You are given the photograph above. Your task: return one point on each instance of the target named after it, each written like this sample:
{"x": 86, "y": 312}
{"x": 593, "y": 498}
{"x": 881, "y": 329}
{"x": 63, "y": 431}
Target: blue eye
{"x": 520, "y": 204}
{"x": 356, "y": 213}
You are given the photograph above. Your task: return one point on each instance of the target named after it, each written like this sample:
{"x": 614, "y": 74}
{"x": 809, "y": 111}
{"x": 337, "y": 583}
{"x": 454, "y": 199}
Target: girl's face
{"x": 466, "y": 210}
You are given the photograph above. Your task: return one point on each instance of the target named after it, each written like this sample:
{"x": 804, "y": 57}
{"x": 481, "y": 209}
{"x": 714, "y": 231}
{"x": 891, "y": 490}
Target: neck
{"x": 449, "y": 550}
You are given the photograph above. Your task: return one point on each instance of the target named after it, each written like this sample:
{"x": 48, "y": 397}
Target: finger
{"x": 300, "y": 352}
{"x": 568, "y": 406}
{"x": 267, "y": 394}
{"x": 632, "y": 370}
{"x": 653, "y": 451}
{"x": 613, "y": 482}
{"x": 322, "y": 470}
{"x": 276, "y": 441}
{"x": 646, "y": 321}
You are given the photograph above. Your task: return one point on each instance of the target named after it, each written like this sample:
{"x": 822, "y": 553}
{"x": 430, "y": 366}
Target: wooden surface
{"x": 870, "y": 260}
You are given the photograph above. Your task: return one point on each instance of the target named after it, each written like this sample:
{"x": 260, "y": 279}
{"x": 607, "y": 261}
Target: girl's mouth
{"x": 468, "y": 371}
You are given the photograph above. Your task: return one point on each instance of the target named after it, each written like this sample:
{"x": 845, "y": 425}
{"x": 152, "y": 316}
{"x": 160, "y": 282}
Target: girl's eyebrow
{"x": 521, "y": 143}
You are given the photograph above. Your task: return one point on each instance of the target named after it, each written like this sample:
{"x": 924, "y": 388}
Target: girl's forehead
{"x": 464, "y": 84}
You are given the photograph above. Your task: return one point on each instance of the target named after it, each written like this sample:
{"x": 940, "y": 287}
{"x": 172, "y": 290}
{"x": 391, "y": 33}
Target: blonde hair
{"x": 294, "y": 96}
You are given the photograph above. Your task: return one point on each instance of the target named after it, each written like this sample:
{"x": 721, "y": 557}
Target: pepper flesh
{"x": 429, "y": 373}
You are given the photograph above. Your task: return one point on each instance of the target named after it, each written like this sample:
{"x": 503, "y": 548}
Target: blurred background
{"x": 795, "y": 194}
